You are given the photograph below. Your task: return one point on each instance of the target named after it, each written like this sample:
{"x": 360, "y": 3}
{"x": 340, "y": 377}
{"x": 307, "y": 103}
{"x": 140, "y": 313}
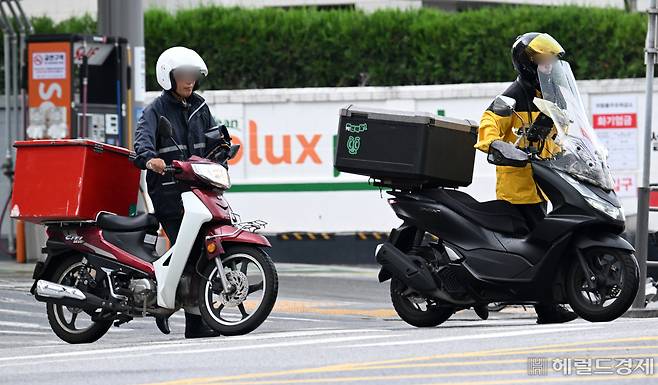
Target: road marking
{"x": 79, "y": 355}
{"x": 282, "y": 344}
{"x": 369, "y": 378}
{"x": 24, "y": 325}
{"x": 510, "y": 351}
{"x": 18, "y": 332}
{"x": 188, "y": 344}
{"x": 545, "y": 380}
{"x": 333, "y": 308}
{"x": 356, "y": 366}
{"x": 482, "y": 362}
{"x": 478, "y": 336}
{"x": 298, "y": 319}
{"x": 25, "y": 313}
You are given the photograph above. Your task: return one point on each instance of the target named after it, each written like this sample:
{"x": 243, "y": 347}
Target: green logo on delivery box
{"x": 354, "y": 142}
{"x": 356, "y": 128}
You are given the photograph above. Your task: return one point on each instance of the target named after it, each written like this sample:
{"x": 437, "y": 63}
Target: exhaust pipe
{"x": 402, "y": 266}
{"x": 416, "y": 276}
{"x": 51, "y": 292}
{"x": 49, "y": 289}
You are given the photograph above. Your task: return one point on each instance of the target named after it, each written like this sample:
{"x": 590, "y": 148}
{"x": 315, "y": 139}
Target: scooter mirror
{"x": 164, "y": 127}
{"x": 506, "y": 154}
{"x": 503, "y": 105}
{"x": 233, "y": 151}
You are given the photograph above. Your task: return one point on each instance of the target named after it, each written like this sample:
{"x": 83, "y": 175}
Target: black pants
{"x": 171, "y": 226}
{"x": 533, "y": 214}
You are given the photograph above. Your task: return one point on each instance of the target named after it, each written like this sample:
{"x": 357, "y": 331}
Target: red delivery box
{"x": 72, "y": 180}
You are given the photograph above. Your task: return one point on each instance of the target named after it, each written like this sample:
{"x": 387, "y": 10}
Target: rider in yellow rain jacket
{"x": 531, "y": 52}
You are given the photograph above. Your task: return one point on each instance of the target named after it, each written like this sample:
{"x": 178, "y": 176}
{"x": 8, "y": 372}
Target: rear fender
{"x": 225, "y": 235}
{"x": 55, "y": 251}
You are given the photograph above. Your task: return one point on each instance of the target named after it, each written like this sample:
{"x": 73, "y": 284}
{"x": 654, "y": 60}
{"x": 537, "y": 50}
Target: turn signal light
{"x": 211, "y": 247}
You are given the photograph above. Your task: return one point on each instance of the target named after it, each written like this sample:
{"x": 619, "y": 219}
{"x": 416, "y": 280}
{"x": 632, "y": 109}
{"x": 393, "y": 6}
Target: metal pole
{"x": 15, "y": 70}
{"x": 24, "y": 19}
{"x": 642, "y": 229}
{"x": 125, "y": 18}
{"x": 8, "y": 35}
{"x": 25, "y": 28}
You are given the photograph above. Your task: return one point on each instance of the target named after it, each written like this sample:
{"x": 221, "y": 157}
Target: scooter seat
{"x": 112, "y": 222}
{"x": 499, "y": 216}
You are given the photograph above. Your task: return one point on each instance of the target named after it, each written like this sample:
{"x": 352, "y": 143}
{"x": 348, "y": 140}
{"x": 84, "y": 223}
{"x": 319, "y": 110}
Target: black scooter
{"x": 453, "y": 252}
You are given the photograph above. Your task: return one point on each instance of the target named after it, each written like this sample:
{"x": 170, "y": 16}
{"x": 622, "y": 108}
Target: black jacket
{"x": 190, "y": 122}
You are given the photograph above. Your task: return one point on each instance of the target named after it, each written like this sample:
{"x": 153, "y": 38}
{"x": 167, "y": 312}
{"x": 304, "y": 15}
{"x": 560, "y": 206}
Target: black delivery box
{"x": 406, "y": 148}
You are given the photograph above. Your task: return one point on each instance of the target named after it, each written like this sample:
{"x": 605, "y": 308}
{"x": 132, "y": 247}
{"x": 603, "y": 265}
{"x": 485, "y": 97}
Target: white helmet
{"x": 177, "y": 57}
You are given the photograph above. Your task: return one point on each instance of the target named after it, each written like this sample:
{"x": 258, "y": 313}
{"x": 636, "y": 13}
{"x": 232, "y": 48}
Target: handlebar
{"x": 172, "y": 169}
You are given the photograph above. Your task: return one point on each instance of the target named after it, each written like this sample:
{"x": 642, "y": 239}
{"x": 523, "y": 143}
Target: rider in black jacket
{"x": 178, "y": 71}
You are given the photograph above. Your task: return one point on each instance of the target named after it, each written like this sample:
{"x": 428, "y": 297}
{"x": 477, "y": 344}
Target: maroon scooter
{"x": 104, "y": 272}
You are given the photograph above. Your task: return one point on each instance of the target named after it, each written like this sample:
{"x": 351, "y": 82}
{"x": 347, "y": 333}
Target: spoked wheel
{"x": 74, "y": 324}
{"x": 417, "y": 310}
{"x": 253, "y": 276}
{"x": 616, "y": 280}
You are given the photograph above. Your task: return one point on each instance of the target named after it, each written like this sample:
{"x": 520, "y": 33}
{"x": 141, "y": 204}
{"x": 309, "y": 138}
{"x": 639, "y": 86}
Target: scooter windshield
{"x": 580, "y": 153}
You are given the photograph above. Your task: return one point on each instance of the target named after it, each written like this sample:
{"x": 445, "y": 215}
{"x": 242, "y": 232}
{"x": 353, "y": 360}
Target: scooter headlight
{"x": 213, "y": 174}
{"x": 606, "y": 208}
{"x": 594, "y": 201}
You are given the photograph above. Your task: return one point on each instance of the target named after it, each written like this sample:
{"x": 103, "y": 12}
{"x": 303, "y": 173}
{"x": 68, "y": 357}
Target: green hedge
{"x": 266, "y": 48}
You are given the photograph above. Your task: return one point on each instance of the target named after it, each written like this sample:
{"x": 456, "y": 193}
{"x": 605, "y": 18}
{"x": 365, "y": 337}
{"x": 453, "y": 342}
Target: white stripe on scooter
{"x": 481, "y": 336}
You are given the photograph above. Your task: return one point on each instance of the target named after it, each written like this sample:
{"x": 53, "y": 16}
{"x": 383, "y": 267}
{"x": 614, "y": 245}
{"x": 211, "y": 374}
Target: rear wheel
{"x": 417, "y": 310}
{"x": 74, "y": 324}
{"x": 616, "y": 280}
{"x": 255, "y": 287}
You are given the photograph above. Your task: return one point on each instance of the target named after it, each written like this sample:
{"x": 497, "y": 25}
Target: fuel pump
{"x": 77, "y": 87}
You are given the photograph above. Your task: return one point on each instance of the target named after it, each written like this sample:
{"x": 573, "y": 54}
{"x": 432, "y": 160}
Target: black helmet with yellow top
{"x": 531, "y": 49}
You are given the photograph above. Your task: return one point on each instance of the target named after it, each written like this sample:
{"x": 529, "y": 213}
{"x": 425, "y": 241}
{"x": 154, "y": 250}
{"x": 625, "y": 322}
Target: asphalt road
{"x": 330, "y": 326}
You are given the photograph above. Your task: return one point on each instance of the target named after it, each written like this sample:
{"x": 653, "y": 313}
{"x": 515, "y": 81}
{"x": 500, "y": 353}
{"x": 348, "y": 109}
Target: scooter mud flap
{"x": 410, "y": 269}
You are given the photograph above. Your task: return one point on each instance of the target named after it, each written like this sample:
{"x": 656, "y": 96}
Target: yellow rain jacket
{"x": 514, "y": 184}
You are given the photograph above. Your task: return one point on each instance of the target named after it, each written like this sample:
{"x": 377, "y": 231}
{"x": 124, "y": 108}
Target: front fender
{"x": 588, "y": 240}
{"x": 221, "y": 235}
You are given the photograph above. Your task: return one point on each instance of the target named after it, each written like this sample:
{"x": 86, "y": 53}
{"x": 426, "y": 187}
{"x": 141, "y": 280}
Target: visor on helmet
{"x": 544, "y": 49}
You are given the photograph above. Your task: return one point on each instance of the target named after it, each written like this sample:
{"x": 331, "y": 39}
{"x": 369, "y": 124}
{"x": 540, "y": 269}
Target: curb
{"x": 641, "y": 313}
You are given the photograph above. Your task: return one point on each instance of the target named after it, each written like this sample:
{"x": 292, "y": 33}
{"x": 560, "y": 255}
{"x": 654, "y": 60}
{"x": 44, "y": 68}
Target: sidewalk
{"x": 11, "y": 269}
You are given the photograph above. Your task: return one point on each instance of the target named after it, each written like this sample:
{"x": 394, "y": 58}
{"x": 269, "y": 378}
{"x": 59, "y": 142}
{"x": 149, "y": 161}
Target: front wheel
{"x": 616, "y": 280}
{"x": 255, "y": 283}
{"x": 417, "y": 310}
